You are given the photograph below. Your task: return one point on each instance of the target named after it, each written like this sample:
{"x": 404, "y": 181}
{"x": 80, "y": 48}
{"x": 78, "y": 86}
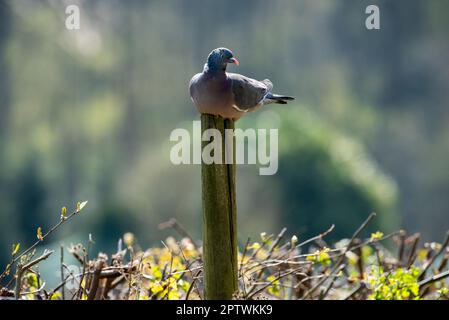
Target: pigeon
{"x": 229, "y": 95}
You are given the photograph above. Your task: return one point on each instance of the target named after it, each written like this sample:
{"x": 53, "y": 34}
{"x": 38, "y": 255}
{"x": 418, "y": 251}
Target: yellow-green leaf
{"x": 376, "y": 236}
{"x": 39, "y": 234}
{"x": 254, "y": 246}
{"x": 56, "y": 296}
{"x": 173, "y": 295}
{"x": 63, "y": 213}
{"x": 320, "y": 256}
{"x": 443, "y": 291}
{"x": 184, "y": 285}
{"x": 15, "y": 249}
{"x": 32, "y": 280}
{"x": 323, "y": 257}
{"x": 294, "y": 241}
{"x": 129, "y": 239}
{"x": 352, "y": 257}
{"x": 80, "y": 206}
{"x": 156, "y": 287}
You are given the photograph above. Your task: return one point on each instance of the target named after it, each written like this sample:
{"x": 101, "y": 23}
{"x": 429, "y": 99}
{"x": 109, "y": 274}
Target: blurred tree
{"x": 86, "y": 115}
{"x": 28, "y": 194}
{"x": 324, "y": 178}
{"x": 5, "y": 29}
{"x": 327, "y": 178}
{"x": 5, "y": 104}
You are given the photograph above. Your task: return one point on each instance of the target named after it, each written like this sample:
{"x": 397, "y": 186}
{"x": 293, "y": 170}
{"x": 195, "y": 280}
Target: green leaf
{"x": 15, "y": 249}
{"x": 32, "y": 280}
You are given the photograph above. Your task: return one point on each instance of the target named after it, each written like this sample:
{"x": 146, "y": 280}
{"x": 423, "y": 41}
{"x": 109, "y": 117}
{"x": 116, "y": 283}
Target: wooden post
{"x": 219, "y": 218}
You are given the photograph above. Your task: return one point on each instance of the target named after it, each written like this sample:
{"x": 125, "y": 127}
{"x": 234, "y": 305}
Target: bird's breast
{"x": 213, "y": 95}
{"x": 212, "y": 92}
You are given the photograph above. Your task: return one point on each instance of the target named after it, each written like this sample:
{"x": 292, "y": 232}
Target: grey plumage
{"x": 230, "y": 95}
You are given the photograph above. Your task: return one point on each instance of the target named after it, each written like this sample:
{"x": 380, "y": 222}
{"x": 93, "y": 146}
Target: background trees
{"x": 87, "y": 114}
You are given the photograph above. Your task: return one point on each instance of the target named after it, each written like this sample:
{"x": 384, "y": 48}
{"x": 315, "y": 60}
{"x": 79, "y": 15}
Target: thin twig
{"x": 271, "y": 282}
{"x": 357, "y": 290}
{"x": 21, "y": 269}
{"x": 95, "y": 279}
{"x": 62, "y": 271}
{"x": 54, "y": 228}
{"x": 434, "y": 257}
{"x": 342, "y": 257}
{"x": 173, "y": 223}
{"x": 270, "y": 252}
{"x": 245, "y": 249}
{"x": 434, "y": 278}
{"x": 318, "y": 237}
{"x": 412, "y": 255}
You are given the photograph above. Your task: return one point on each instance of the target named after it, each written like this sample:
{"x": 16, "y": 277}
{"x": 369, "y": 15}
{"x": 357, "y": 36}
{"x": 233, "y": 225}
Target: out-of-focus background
{"x": 86, "y": 115}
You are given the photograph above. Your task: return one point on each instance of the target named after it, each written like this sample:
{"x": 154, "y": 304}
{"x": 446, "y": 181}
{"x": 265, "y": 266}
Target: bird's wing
{"x": 248, "y": 93}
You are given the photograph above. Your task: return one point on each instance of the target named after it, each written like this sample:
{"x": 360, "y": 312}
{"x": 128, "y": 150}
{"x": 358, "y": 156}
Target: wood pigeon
{"x": 229, "y": 95}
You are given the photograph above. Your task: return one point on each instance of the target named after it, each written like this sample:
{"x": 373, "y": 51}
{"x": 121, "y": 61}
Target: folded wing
{"x": 248, "y": 93}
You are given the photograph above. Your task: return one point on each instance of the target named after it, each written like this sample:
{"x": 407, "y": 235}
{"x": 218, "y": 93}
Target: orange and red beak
{"x": 234, "y": 61}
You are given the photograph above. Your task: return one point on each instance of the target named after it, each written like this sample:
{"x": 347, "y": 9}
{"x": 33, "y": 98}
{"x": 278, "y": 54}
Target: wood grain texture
{"x": 219, "y": 219}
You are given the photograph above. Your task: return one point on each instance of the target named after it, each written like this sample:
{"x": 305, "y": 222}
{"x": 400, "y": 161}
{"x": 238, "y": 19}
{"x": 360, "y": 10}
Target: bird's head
{"x": 219, "y": 58}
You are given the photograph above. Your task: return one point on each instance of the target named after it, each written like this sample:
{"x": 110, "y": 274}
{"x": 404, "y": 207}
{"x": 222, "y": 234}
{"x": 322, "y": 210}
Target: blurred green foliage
{"x": 87, "y": 114}
{"x": 326, "y": 176}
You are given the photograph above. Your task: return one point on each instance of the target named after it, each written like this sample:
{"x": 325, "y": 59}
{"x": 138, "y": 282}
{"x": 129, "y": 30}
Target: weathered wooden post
{"x": 219, "y": 217}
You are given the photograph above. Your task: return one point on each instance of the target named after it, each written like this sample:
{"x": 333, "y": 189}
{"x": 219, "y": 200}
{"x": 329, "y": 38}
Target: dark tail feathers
{"x": 277, "y": 98}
